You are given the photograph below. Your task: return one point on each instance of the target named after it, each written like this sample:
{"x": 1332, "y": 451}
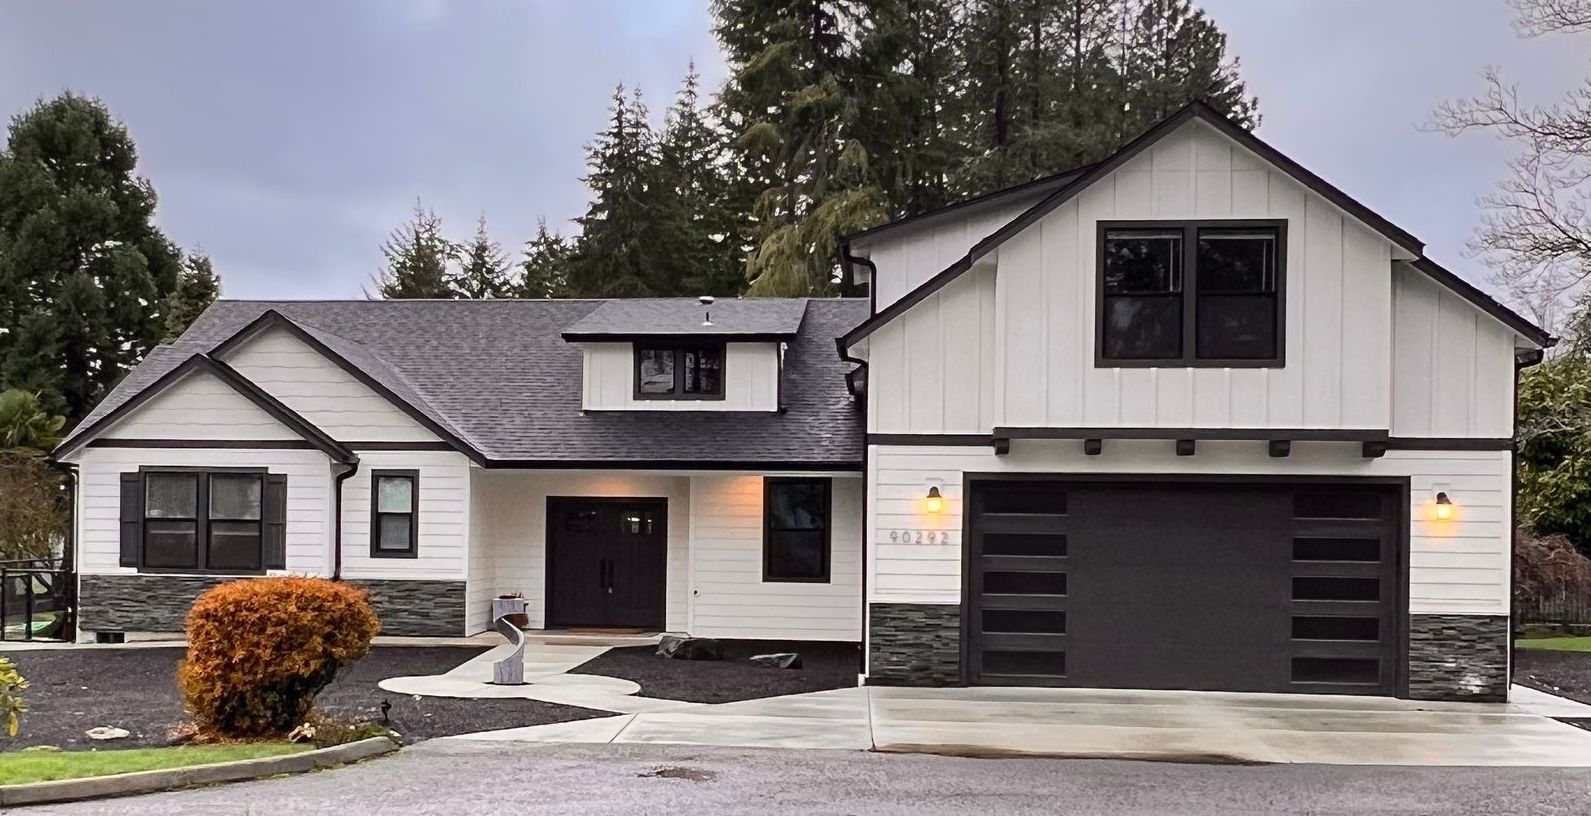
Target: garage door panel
{"x": 1244, "y": 587}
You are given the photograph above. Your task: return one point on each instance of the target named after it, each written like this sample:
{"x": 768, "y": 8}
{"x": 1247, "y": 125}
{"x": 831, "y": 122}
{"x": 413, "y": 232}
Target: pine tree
{"x": 197, "y": 288}
{"x": 1169, "y": 54}
{"x": 418, "y": 257}
{"x": 612, "y": 257}
{"x": 544, "y": 271}
{"x": 484, "y": 269}
{"x": 83, "y": 269}
{"x": 795, "y": 74}
{"x": 700, "y": 236}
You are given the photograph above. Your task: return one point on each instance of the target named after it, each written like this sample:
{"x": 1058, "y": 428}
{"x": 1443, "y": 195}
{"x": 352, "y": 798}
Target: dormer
{"x": 682, "y": 354}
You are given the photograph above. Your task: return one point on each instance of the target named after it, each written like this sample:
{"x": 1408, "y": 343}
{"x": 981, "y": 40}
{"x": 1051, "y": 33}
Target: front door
{"x": 606, "y": 562}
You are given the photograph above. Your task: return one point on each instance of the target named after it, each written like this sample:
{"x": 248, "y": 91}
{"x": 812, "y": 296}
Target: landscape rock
{"x": 689, "y": 648}
{"x": 780, "y": 660}
{"x": 107, "y": 732}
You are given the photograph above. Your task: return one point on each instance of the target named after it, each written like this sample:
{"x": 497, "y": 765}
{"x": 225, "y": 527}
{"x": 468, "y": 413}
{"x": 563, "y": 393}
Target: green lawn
{"x": 31, "y": 766}
{"x": 1557, "y": 644}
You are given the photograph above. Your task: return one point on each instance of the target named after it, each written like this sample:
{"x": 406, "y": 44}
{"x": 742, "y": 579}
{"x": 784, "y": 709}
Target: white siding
{"x": 321, "y": 392}
{"x": 940, "y": 358}
{"x": 1452, "y": 366}
{"x": 908, "y": 256}
{"x": 751, "y": 380}
{"x": 511, "y": 541}
{"x": 1458, "y": 566}
{"x": 199, "y": 406}
{"x": 444, "y": 517}
{"x": 99, "y": 500}
{"x": 729, "y": 599}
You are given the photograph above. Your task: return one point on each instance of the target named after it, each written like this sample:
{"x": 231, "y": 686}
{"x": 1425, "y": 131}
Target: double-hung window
{"x": 199, "y": 521}
{"x": 679, "y": 372}
{"x": 795, "y": 539}
{"x": 1191, "y": 294}
{"x": 394, "y": 513}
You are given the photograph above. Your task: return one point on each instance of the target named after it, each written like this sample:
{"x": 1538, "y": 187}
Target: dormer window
{"x": 1191, "y": 294}
{"x": 679, "y": 371}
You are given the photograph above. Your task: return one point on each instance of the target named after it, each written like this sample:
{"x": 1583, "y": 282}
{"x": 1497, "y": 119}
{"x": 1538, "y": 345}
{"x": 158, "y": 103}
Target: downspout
{"x": 1521, "y": 362}
{"x": 69, "y": 546}
{"x": 846, "y": 261}
{"x": 345, "y": 471}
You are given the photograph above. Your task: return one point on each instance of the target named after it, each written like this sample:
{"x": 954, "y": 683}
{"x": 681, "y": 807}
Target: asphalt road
{"x": 464, "y": 778}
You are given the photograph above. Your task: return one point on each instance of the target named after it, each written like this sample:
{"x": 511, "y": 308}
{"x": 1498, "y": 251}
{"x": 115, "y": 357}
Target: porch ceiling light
{"x": 935, "y": 502}
{"x": 1444, "y": 507}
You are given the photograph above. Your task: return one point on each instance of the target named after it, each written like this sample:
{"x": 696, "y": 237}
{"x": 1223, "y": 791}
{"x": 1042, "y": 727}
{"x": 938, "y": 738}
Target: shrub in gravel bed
{"x": 260, "y": 649}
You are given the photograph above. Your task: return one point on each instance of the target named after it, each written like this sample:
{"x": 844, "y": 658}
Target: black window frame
{"x": 1190, "y": 294}
{"x": 679, "y": 351}
{"x": 414, "y": 513}
{"x": 769, "y": 484}
{"x": 201, "y": 519}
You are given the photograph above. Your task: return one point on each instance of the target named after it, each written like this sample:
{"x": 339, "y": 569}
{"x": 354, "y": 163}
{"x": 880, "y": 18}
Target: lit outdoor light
{"x": 1444, "y": 507}
{"x": 936, "y": 502}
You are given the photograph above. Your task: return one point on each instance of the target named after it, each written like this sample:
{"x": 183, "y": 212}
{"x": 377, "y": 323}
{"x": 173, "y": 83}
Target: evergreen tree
{"x": 417, "y": 259}
{"x": 1169, "y": 54}
{"x": 796, "y": 68}
{"x": 197, "y": 287}
{"x": 911, "y": 63}
{"x": 700, "y": 236}
{"x": 83, "y": 270}
{"x": 484, "y": 269}
{"x": 544, "y": 272}
{"x": 613, "y": 256}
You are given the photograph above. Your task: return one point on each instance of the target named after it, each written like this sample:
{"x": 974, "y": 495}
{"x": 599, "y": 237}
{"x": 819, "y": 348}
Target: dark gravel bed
{"x": 73, "y": 690}
{"x": 1566, "y": 674}
{"x": 824, "y": 666}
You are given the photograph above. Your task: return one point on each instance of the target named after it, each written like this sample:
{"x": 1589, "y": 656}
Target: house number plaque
{"x": 920, "y": 537}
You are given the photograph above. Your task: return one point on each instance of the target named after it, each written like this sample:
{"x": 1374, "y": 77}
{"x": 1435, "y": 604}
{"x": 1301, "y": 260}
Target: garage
{"x": 1235, "y": 586}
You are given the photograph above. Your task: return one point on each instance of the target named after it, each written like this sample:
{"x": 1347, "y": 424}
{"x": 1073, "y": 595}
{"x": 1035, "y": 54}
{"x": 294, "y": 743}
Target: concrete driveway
{"x": 1163, "y": 725}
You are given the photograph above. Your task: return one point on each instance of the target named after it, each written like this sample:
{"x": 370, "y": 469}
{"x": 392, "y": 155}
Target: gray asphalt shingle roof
{"x": 500, "y": 376}
{"x": 760, "y": 316}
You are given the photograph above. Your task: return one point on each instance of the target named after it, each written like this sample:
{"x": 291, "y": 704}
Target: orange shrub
{"x": 260, "y": 649}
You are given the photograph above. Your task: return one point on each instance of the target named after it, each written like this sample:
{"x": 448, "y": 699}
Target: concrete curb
{"x": 99, "y": 787}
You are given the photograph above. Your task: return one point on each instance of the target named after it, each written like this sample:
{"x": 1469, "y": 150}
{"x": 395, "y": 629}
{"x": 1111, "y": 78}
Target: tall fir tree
{"x": 613, "y": 256}
{"x": 796, "y": 87}
{"x": 700, "y": 235}
{"x": 83, "y": 270}
{"x": 909, "y": 64}
{"x": 1169, "y": 52}
{"x": 544, "y": 269}
{"x": 484, "y": 269}
{"x": 418, "y": 259}
{"x": 198, "y": 286}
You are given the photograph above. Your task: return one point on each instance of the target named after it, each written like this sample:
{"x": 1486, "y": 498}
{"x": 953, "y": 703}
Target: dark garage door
{"x": 1236, "y": 587}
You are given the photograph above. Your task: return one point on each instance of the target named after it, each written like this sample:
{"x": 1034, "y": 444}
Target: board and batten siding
{"x": 1452, "y": 365}
{"x": 98, "y": 513}
{"x": 730, "y": 599}
{"x": 909, "y": 256}
{"x": 1015, "y": 345}
{"x": 751, "y": 380}
{"x": 444, "y": 523}
{"x": 509, "y": 552}
{"x": 323, "y": 393}
{"x": 1459, "y": 566}
{"x": 198, "y": 406}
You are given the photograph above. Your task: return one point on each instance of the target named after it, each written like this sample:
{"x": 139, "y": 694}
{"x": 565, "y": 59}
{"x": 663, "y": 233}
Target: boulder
{"x": 780, "y": 660}
{"x": 689, "y": 648}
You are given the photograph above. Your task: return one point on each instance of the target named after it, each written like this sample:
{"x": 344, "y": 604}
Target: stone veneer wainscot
{"x": 914, "y": 644}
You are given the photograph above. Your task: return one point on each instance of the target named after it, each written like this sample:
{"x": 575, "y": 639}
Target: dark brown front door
{"x": 606, "y": 562}
{"x": 1253, "y": 586}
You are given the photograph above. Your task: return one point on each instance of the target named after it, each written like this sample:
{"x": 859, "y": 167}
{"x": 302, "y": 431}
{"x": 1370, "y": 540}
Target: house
{"x": 1187, "y": 418}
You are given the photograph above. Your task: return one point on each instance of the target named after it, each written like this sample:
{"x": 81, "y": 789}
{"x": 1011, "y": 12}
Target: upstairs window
{"x": 1191, "y": 294}
{"x": 679, "y": 372}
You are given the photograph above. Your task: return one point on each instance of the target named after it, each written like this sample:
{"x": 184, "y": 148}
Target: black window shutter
{"x": 132, "y": 517}
{"x": 273, "y": 517}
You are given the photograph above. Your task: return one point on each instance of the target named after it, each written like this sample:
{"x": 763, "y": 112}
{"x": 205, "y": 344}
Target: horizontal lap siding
{"x": 99, "y": 499}
{"x": 1458, "y": 566}
{"x": 322, "y": 392}
{"x": 751, "y": 380}
{"x": 444, "y": 521}
{"x": 730, "y": 598}
{"x": 199, "y": 406}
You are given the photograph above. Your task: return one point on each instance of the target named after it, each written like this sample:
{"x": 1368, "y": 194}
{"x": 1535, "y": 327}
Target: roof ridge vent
{"x": 707, "y": 309}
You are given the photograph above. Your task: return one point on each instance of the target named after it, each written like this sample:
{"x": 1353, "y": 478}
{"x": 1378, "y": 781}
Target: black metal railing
{"x": 35, "y": 600}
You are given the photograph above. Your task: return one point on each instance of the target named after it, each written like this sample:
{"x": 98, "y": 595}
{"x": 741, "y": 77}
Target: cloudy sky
{"x": 287, "y": 138}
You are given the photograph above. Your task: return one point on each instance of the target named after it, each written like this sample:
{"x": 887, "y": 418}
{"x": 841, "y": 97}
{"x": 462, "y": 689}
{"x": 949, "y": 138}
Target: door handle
{"x": 611, "y": 570}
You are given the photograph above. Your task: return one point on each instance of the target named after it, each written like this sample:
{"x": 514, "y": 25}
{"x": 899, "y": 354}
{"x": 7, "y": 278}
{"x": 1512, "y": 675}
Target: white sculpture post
{"x": 510, "y": 671}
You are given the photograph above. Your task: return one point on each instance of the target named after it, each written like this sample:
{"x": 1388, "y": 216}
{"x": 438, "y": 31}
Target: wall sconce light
{"x": 935, "y": 502}
{"x": 1444, "y": 507}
